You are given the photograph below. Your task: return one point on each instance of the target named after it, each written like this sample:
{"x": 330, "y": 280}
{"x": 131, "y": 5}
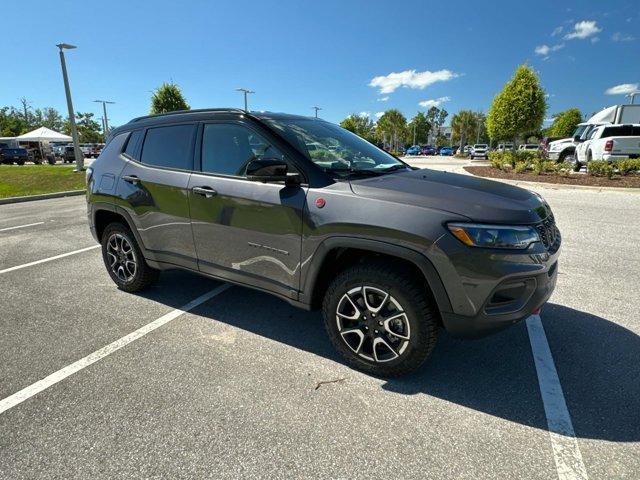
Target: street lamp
{"x": 105, "y": 122}
{"x": 72, "y": 119}
{"x": 245, "y": 91}
{"x": 316, "y": 109}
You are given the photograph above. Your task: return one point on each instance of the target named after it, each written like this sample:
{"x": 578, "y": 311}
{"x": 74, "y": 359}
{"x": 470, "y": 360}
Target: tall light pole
{"x": 105, "y": 121}
{"x": 72, "y": 119}
{"x": 245, "y": 91}
{"x": 316, "y": 109}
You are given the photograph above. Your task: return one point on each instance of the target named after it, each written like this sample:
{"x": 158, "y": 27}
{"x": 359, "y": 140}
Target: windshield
{"x": 334, "y": 149}
{"x": 579, "y": 130}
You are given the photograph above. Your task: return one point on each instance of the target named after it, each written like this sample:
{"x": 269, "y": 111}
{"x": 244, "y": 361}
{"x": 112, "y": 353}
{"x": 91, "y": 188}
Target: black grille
{"x": 549, "y": 233}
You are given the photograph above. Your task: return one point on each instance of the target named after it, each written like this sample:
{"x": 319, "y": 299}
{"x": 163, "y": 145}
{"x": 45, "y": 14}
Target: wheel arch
{"x": 103, "y": 215}
{"x": 338, "y": 253}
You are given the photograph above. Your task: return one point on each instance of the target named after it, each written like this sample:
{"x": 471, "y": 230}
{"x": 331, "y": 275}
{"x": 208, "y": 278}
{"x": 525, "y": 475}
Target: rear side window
{"x": 131, "y": 150}
{"x": 169, "y": 147}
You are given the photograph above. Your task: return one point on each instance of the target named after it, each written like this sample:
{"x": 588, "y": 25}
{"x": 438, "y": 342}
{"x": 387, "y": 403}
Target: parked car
{"x": 502, "y": 147}
{"x": 69, "y": 156}
{"x": 529, "y": 146}
{"x": 479, "y": 150}
{"x": 86, "y": 149}
{"x": 428, "y": 150}
{"x": 544, "y": 145}
{"x": 564, "y": 149}
{"x": 9, "y": 154}
{"x": 446, "y": 151}
{"x": 96, "y": 149}
{"x": 339, "y": 235}
{"x": 610, "y": 143}
{"x": 414, "y": 150}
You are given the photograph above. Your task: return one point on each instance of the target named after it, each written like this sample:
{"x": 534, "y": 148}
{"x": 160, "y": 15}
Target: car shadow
{"x": 596, "y": 359}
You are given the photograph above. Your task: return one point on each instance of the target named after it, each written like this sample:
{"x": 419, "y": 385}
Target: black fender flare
{"x": 417, "y": 258}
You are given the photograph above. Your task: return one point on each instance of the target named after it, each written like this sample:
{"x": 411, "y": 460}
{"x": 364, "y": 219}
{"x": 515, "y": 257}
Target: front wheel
{"x": 379, "y": 319}
{"x": 124, "y": 261}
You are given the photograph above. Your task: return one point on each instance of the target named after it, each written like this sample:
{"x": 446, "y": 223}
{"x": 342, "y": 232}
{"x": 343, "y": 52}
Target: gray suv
{"x": 307, "y": 211}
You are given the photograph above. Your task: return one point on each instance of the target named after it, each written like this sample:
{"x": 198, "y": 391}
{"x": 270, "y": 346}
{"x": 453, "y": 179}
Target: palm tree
{"x": 463, "y": 124}
{"x": 393, "y": 125}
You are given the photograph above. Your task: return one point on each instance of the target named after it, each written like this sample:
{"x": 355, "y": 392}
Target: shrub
{"x": 564, "y": 168}
{"x": 628, "y": 166}
{"x": 600, "y": 168}
{"x": 521, "y": 167}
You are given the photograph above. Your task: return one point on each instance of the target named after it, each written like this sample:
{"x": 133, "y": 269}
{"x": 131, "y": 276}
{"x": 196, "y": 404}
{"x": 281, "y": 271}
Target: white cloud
{"x": 595, "y": 39}
{"x": 434, "y": 102}
{"x": 364, "y": 114}
{"x": 379, "y": 114}
{"x": 622, "y": 89}
{"x": 622, "y": 37}
{"x": 411, "y": 79}
{"x": 383, "y": 99}
{"x": 583, "y": 29}
{"x": 545, "y": 50}
{"x": 557, "y": 31}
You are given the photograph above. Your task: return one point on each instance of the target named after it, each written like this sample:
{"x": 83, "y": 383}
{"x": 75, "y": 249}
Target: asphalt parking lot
{"x": 231, "y": 388}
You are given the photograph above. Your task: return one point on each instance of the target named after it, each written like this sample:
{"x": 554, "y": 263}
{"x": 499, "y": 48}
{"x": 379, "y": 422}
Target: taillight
{"x": 608, "y": 146}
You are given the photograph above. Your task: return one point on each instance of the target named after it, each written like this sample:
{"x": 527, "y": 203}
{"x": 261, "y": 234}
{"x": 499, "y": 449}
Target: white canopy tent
{"x": 43, "y": 134}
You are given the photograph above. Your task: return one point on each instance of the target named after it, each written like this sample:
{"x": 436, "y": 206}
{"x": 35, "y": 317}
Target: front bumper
{"x": 553, "y": 155}
{"x": 536, "y": 291}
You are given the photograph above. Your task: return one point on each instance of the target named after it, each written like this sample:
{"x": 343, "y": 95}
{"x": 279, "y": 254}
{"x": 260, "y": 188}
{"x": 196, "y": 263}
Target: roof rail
{"x": 179, "y": 112}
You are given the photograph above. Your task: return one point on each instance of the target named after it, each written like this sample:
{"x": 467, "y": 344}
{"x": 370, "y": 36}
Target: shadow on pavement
{"x": 597, "y": 361}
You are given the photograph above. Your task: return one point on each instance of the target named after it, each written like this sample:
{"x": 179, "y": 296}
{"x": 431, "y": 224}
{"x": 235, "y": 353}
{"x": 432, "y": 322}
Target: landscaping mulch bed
{"x": 628, "y": 181}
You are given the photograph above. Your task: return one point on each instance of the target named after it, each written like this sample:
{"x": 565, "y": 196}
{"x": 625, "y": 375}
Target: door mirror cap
{"x": 271, "y": 170}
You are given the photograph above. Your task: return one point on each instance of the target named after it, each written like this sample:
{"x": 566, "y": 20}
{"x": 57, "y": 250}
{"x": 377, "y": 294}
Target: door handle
{"x": 131, "y": 179}
{"x": 207, "y": 192}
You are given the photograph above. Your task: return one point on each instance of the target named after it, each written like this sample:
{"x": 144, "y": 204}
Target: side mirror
{"x": 576, "y": 138}
{"x": 271, "y": 170}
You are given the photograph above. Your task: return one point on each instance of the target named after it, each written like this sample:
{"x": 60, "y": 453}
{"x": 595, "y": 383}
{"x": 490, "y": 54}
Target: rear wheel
{"x": 379, "y": 319}
{"x": 124, "y": 261}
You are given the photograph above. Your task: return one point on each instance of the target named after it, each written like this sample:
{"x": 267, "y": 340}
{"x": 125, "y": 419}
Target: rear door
{"x": 153, "y": 190}
{"x": 246, "y": 231}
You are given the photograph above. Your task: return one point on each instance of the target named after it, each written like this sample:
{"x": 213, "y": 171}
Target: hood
{"x": 477, "y": 199}
{"x": 562, "y": 140}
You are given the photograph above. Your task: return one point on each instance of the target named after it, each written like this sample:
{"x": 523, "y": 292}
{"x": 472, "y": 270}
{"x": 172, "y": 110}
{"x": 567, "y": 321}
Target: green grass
{"x": 17, "y": 181}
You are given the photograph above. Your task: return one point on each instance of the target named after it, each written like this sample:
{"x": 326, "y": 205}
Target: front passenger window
{"x": 227, "y": 149}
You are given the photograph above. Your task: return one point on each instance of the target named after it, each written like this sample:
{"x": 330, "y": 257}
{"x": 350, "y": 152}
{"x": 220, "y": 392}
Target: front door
{"x": 153, "y": 188}
{"x": 249, "y": 232}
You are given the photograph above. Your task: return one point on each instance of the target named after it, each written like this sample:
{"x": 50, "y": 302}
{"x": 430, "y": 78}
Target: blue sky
{"x": 336, "y": 54}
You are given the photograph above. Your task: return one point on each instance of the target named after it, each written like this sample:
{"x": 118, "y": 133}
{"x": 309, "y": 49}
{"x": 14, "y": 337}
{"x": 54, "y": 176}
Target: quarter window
{"x": 169, "y": 146}
{"x": 132, "y": 144}
{"x": 228, "y": 148}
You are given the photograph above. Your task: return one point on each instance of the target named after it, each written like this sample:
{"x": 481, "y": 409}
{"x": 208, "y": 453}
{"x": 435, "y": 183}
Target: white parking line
{"x": 35, "y": 388}
{"x": 21, "y": 226}
{"x": 566, "y": 451}
{"x": 44, "y": 260}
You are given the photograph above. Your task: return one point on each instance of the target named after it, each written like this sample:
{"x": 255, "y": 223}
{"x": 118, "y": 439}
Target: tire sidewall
{"x": 126, "y": 233}
{"x": 419, "y": 326}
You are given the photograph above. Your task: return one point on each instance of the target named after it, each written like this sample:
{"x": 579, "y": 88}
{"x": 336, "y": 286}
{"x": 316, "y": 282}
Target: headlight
{"x": 494, "y": 236}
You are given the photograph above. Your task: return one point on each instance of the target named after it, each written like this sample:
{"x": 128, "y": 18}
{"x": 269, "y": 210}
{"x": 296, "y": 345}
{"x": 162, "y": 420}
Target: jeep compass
{"x": 307, "y": 211}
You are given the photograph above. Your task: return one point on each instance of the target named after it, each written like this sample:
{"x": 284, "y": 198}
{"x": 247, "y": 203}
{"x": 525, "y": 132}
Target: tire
{"x": 20, "y": 162}
{"x": 119, "y": 251}
{"x": 407, "y": 305}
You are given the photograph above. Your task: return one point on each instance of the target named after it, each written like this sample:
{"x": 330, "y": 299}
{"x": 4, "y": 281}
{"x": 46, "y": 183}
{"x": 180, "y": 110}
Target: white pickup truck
{"x": 610, "y": 143}
{"x": 564, "y": 149}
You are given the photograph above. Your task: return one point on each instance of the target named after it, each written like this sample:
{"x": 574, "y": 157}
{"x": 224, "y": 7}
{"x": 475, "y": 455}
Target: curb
{"x": 42, "y": 196}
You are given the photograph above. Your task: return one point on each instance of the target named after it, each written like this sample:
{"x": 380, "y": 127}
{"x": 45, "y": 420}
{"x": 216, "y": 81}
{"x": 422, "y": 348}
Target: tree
{"x": 464, "y": 125}
{"x": 391, "y": 128}
{"x": 89, "y": 131}
{"x": 519, "y": 108}
{"x": 168, "y": 98}
{"x": 12, "y": 122}
{"x": 565, "y": 123}
{"x": 418, "y": 129}
{"x": 436, "y": 118}
{"x": 361, "y": 125}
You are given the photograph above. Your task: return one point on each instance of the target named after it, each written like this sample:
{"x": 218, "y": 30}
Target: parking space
{"x": 234, "y": 386}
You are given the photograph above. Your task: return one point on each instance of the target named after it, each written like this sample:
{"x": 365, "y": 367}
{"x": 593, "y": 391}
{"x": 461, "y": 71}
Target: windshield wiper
{"x": 393, "y": 168}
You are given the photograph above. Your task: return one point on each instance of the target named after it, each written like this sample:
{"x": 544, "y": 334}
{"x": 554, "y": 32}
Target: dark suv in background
{"x": 305, "y": 210}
